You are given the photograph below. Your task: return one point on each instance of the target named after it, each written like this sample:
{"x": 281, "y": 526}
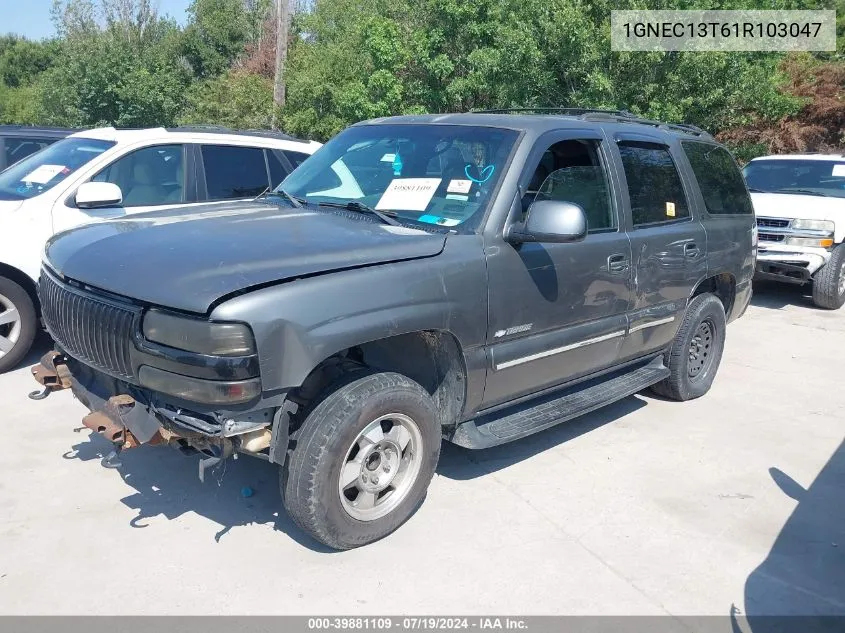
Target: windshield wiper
{"x": 296, "y": 202}
{"x": 360, "y": 207}
{"x": 809, "y": 192}
{"x": 755, "y": 190}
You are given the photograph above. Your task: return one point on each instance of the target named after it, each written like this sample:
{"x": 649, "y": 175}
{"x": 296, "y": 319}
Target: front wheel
{"x": 18, "y": 323}
{"x": 696, "y": 351}
{"x": 829, "y": 282}
{"x": 363, "y": 459}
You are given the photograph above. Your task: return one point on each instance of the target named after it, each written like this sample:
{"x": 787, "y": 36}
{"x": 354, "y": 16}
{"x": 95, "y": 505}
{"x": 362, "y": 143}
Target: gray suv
{"x": 469, "y": 277}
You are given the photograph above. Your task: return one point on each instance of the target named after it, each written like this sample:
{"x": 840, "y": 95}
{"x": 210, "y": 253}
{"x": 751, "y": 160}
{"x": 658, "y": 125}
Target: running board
{"x": 523, "y": 420}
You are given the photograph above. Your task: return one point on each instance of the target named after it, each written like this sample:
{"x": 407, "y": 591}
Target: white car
{"x": 799, "y": 201}
{"x": 108, "y": 173}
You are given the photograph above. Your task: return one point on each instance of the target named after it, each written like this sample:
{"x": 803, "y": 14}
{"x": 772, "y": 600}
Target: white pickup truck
{"x": 799, "y": 201}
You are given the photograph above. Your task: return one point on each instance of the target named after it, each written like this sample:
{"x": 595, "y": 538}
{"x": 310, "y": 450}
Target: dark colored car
{"x": 480, "y": 278}
{"x": 19, "y": 141}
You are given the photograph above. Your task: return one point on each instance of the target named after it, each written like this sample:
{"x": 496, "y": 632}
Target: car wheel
{"x": 18, "y": 323}
{"x": 829, "y": 282}
{"x": 363, "y": 459}
{"x": 695, "y": 354}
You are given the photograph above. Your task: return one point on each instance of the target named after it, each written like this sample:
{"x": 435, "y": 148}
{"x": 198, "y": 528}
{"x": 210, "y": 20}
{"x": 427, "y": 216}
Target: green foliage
{"x": 366, "y": 58}
{"x": 218, "y": 31}
{"x": 117, "y": 62}
{"x": 22, "y": 60}
{"x": 126, "y": 74}
{"x": 236, "y": 100}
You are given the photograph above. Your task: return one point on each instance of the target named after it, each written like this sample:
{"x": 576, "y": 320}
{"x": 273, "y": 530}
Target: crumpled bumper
{"x": 788, "y": 263}
{"x": 127, "y": 418}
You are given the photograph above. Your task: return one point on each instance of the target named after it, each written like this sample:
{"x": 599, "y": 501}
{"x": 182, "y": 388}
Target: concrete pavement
{"x": 645, "y": 507}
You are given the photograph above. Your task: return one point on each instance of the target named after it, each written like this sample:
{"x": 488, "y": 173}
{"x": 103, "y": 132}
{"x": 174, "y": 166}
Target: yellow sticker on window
{"x": 670, "y": 209}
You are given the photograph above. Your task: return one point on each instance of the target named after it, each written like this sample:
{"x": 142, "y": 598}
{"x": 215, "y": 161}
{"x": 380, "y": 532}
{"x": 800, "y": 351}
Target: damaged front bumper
{"x": 129, "y": 416}
{"x": 788, "y": 264}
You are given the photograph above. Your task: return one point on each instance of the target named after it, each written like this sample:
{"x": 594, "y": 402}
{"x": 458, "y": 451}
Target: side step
{"x": 519, "y": 421}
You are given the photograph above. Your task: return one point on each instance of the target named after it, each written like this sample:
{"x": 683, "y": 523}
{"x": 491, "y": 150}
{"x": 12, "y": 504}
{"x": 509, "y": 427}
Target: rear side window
{"x": 719, "y": 179}
{"x": 654, "y": 185}
{"x": 234, "y": 172}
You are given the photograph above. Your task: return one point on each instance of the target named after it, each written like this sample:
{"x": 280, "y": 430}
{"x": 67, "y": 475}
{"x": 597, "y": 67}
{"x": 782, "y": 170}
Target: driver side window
{"x": 148, "y": 177}
{"x": 572, "y": 171}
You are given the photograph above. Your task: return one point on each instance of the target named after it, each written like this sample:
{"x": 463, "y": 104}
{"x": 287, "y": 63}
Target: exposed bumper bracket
{"x": 51, "y": 373}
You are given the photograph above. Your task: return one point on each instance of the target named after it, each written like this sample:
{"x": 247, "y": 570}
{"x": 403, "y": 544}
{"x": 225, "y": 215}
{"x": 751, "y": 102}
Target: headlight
{"x": 811, "y": 242}
{"x": 199, "y": 390}
{"x": 197, "y": 335}
{"x": 814, "y": 225}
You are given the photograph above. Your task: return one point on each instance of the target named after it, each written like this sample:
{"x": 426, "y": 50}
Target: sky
{"x": 31, "y": 18}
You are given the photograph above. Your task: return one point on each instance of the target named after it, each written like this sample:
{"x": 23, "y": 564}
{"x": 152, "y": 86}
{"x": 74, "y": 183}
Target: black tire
{"x": 829, "y": 282}
{"x": 310, "y": 484}
{"x": 24, "y": 333}
{"x": 690, "y": 377}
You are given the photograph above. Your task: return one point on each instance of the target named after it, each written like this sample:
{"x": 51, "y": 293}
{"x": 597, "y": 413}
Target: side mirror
{"x": 551, "y": 221}
{"x": 93, "y": 195}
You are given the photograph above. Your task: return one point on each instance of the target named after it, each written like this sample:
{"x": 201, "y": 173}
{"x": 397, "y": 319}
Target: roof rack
{"x": 565, "y": 111}
{"x": 219, "y": 129}
{"x": 597, "y": 114}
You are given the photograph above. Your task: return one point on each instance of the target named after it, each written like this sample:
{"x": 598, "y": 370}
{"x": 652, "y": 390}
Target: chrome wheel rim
{"x": 380, "y": 467}
{"x": 10, "y": 325}
{"x": 700, "y": 349}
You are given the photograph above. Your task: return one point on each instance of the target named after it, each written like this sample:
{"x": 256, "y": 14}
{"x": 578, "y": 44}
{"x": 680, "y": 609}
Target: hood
{"x": 188, "y": 259}
{"x": 791, "y": 205}
{"x": 10, "y": 205}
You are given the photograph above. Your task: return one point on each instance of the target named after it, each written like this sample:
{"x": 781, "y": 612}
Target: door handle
{"x": 691, "y": 250}
{"x": 617, "y": 264}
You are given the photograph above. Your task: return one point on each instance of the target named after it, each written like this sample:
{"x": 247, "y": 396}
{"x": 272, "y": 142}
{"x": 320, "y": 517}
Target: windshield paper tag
{"x": 43, "y": 174}
{"x": 388, "y": 158}
{"x": 409, "y": 194}
{"x": 670, "y": 209}
{"x": 839, "y": 170}
{"x": 459, "y": 186}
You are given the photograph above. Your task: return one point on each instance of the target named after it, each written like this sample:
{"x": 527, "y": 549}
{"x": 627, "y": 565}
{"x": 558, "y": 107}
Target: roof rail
{"x": 564, "y": 111}
{"x": 598, "y": 114}
{"x": 219, "y": 129}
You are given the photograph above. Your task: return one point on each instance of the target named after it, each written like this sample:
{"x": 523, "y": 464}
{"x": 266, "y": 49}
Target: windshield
{"x": 810, "y": 177}
{"x": 441, "y": 175}
{"x": 43, "y": 170}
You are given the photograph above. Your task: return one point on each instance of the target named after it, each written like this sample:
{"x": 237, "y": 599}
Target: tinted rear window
{"x": 654, "y": 185}
{"x": 234, "y": 172}
{"x": 719, "y": 179}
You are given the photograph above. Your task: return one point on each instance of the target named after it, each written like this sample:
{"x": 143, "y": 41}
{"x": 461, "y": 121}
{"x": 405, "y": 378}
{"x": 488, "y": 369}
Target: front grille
{"x": 773, "y": 223}
{"x": 95, "y": 330}
{"x": 770, "y": 237}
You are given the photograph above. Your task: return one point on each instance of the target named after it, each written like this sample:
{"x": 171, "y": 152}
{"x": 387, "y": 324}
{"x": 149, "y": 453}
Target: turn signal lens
{"x": 199, "y": 390}
{"x": 809, "y": 242}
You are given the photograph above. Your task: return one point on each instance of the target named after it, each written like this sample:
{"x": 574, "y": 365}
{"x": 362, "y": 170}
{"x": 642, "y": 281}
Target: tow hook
{"x": 52, "y": 373}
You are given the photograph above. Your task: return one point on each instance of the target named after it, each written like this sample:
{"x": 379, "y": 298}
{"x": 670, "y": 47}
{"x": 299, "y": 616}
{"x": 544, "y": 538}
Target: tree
{"x": 119, "y": 65}
{"x": 237, "y": 99}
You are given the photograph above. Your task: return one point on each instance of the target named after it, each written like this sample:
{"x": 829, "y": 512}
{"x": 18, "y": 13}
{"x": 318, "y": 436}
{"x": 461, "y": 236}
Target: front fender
{"x": 300, "y": 323}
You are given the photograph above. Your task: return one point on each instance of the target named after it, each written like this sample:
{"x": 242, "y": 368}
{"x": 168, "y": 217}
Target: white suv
{"x": 799, "y": 201}
{"x": 108, "y": 173}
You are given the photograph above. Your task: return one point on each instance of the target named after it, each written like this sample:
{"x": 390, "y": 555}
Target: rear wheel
{"x": 363, "y": 459}
{"x": 829, "y": 282}
{"x": 695, "y": 354}
{"x": 18, "y": 323}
